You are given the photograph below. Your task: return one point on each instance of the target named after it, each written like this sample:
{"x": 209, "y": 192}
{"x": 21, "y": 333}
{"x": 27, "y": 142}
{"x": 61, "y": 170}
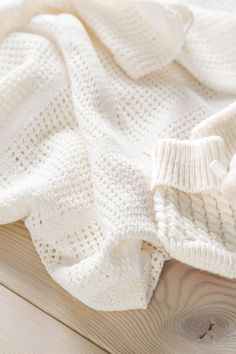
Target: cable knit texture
{"x": 88, "y": 88}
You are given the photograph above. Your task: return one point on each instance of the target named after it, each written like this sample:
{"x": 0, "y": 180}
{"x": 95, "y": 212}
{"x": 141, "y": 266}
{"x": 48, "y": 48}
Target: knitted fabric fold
{"x": 146, "y": 49}
{"x": 87, "y": 89}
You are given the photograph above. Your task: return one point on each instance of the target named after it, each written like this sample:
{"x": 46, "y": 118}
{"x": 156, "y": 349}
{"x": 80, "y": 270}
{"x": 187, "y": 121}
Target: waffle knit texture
{"x": 88, "y": 88}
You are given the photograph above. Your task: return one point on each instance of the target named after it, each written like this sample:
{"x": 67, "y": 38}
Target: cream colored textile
{"x": 87, "y": 89}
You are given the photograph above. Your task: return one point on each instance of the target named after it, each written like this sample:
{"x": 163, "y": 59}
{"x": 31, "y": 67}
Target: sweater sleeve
{"x": 184, "y": 164}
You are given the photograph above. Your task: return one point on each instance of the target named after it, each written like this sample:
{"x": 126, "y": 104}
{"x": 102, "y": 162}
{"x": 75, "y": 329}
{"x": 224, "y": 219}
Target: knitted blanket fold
{"x": 87, "y": 90}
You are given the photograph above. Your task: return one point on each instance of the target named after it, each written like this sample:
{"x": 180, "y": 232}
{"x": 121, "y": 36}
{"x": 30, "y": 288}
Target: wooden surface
{"x": 191, "y": 312}
{"x": 26, "y": 329}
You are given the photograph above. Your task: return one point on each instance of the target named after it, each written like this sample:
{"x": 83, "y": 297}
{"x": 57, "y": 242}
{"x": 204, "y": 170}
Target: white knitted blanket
{"x": 87, "y": 89}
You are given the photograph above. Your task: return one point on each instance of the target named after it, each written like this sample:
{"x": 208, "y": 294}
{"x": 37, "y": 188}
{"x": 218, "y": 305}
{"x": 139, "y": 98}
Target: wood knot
{"x": 206, "y": 327}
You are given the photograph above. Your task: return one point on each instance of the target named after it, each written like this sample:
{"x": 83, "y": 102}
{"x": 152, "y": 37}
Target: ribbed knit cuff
{"x": 184, "y": 164}
{"x": 222, "y": 124}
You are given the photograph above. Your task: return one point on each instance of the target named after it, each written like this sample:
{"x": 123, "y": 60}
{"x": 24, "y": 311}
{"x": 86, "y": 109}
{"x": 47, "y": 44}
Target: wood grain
{"x": 27, "y": 330}
{"x": 190, "y": 312}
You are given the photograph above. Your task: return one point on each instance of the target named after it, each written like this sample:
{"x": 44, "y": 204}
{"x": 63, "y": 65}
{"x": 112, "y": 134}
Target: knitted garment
{"x": 87, "y": 90}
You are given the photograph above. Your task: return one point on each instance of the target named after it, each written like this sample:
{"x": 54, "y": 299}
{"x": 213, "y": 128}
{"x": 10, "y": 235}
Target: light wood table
{"x": 191, "y": 312}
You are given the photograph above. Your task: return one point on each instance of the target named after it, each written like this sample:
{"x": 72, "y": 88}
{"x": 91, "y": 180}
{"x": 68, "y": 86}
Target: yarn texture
{"x": 110, "y": 114}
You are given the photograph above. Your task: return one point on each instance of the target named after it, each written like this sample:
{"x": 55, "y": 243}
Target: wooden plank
{"x": 190, "y": 312}
{"x": 26, "y": 329}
